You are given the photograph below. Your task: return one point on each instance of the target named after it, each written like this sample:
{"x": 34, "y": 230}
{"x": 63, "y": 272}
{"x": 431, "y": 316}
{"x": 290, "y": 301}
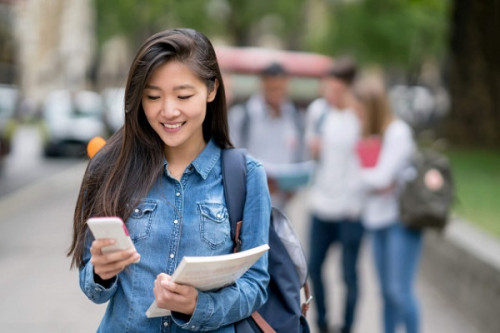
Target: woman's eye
{"x": 185, "y": 97}
{"x": 153, "y": 98}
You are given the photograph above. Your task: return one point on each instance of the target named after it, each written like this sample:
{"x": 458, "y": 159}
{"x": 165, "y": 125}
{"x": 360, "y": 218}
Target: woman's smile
{"x": 173, "y": 126}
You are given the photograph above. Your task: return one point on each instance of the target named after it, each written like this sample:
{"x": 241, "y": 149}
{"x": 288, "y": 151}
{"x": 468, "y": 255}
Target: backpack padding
{"x": 291, "y": 242}
{"x": 283, "y": 294}
{"x": 235, "y": 176}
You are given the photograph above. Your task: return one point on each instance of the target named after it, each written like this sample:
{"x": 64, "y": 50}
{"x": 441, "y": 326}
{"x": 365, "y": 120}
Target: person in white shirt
{"x": 396, "y": 248}
{"x": 332, "y": 131}
{"x": 268, "y": 125}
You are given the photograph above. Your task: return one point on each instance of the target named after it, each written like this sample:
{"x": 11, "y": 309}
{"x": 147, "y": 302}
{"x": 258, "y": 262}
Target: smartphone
{"x": 111, "y": 227}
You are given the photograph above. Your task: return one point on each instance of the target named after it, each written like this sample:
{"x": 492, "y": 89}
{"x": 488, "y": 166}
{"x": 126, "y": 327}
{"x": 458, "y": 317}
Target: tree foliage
{"x": 233, "y": 20}
{"x": 399, "y": 33}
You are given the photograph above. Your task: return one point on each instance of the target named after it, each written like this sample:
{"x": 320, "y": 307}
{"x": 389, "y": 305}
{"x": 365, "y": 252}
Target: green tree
{"x": 392, "y": 33}
{"x": 138, "y": 20}
{"x": 234, "y": 20}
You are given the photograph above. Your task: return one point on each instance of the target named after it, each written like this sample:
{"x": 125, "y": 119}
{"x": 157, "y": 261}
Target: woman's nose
{"x": 170, "y": 109}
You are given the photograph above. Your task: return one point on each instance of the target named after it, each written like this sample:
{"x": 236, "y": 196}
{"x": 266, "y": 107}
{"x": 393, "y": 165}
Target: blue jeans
{"x": 323, "y": 234}
{"x": 397, "y": 252}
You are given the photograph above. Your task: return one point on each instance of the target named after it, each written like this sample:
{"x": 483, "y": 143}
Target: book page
{"x": 212, "y": 272}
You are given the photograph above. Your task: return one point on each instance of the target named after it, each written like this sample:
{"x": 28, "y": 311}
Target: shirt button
{"x": 165, "y": 324}
{"x": 177, "y": 194}
{"x": 137, "y": 210}
{"x": 218, "y": 215}
{"x": 172, "y": 255}
{"x": 176, "y": 221}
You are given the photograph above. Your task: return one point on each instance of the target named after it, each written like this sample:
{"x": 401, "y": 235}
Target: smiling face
{"x": 175, "y": 103}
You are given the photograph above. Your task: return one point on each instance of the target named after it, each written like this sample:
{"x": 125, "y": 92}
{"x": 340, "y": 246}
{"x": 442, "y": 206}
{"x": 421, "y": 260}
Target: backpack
{"x": 426, "y": 198}
{"x": 283, "y": 311}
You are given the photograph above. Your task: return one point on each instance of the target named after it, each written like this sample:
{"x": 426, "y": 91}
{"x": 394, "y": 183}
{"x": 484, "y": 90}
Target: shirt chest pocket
{"x": 139, "y": 222}
{"x": 214, "y": 224}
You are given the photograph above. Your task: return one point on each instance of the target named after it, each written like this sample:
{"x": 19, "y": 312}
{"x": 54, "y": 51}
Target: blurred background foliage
{"x": 449, "y": 46}
{"x": 391, "y": 33}
{"x": 396, "y": 33}
{"x": 402, "y": 38}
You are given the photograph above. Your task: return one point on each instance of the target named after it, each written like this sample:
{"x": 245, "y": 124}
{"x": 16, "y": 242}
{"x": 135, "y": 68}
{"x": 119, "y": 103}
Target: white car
{"x": 71, "y": 119}
{"x": 114, "y": 108}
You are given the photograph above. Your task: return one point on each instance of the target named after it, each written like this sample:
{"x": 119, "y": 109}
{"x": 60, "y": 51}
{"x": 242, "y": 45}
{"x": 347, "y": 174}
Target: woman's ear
{"x": 213, "y": 92}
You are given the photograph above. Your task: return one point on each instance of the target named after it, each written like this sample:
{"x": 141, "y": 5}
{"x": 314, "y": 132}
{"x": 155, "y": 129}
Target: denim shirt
{"x": 187, "y": 218}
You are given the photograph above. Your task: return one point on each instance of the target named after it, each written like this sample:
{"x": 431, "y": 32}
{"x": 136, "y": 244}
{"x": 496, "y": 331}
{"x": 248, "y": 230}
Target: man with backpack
{"x": 269, "y": 125}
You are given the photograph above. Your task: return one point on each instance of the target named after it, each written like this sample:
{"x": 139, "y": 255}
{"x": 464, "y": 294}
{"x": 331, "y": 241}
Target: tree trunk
{"x": 474, "y": 73}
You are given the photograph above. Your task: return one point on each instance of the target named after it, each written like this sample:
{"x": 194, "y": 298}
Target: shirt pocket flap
{"x": 143, "y": 208}
{"x": 215, "y": 212}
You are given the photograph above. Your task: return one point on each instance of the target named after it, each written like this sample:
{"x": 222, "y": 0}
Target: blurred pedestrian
{"x": 396, "y": 248}
{"x": 161, "y": 173}
{"x": 269, "y": 126}
{"x": 333, "y": 129}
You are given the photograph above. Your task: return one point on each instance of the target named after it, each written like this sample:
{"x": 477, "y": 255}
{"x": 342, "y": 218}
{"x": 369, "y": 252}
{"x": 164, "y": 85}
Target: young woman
{"x": 161, "y": 173}
{"x": 396, "y": 248}
{"x": 333, "y": 129}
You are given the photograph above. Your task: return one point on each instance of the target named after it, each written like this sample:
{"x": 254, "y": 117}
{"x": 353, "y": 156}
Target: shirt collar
{"x": 205, "y": 161}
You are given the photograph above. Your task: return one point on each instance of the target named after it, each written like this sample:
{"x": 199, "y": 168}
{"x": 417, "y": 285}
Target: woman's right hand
{"x": 108, "y": 265}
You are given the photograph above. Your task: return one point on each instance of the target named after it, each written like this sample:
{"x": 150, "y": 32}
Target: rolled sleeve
{"x": 94, "y": 291}
{"x": 200, "y": 319}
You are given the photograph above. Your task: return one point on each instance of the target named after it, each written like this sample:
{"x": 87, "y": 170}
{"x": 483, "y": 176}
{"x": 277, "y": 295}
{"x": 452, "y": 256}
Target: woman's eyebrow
{"x": 152, "y": 87}
{"x": 179, "y": 87}
{"x": 184, "y": 86}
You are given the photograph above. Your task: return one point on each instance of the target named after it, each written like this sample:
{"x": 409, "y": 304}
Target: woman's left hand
{"x": 173, "y": 296}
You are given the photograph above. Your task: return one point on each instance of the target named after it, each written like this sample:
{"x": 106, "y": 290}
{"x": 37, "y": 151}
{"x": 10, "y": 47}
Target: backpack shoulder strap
{"x": 234, "y": 174}
{"x": 318, "y": 125}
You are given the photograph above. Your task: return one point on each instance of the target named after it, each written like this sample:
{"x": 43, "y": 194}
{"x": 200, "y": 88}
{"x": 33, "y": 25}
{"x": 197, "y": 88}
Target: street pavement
{"x": 41, "y": 294}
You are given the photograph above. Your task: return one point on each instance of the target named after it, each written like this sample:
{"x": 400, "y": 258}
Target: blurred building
{"x": 7, "y": 49}
{"x": 55, "y": 45}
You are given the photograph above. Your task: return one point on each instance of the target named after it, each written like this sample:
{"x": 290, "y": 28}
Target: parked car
{"x": 71, "y": 119}
{"x": 114, "y": 108}
{"x": 9, "y": 97}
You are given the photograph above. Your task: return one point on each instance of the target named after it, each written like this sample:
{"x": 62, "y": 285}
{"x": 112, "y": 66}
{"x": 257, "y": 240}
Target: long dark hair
{"x": 371, "y": 93}
{"x": 126, "y": 168}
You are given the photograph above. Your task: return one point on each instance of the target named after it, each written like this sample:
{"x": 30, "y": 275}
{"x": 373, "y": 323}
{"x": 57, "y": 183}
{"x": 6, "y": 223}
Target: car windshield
{"x": 8, "y": 100}
{"x": 75, "y": 105}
